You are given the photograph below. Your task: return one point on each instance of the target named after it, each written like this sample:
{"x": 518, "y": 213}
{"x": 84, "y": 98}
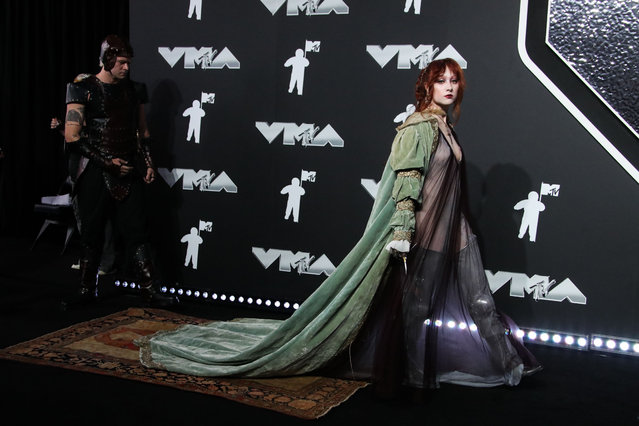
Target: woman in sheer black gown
{"x": 434, "y": 319}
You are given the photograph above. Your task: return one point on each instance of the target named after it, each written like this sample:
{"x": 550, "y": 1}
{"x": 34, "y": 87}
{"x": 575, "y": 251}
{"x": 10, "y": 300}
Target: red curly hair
{"x": 427, "y": 78}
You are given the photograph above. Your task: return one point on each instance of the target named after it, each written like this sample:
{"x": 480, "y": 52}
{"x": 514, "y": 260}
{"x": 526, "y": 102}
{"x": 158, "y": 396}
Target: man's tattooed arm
{"x": 73, "y": 122}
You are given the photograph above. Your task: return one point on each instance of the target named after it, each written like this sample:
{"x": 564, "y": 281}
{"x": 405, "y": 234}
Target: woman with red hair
{"x": 420, "y": 319}
{"x": 435, "y": 319}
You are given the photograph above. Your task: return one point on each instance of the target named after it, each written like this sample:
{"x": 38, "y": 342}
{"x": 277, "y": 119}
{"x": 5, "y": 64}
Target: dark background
{"x": 44, "y": 45}
{"x": 515, "y": 135}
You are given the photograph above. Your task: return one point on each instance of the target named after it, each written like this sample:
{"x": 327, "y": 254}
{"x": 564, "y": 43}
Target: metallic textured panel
{"x": 599, "y": 40}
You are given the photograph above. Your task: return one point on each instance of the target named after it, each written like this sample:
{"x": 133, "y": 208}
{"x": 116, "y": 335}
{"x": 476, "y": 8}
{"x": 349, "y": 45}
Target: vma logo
{"x": 204, "y": 57}
{"x": 301, "y": 262}
{"x": 305, "y": 134}
{"x": 371, "y": 186}
{"x": 309, "y": 7}
{"x": 407, "y": 55}
{"x": 204, "y": 180}
{"x": 541, "y": 287}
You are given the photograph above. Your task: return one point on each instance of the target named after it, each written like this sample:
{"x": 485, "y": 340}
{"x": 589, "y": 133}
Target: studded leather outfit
{"x": 111, "y": 115}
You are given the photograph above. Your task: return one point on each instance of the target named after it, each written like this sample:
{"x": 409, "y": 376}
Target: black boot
{"x": 88, "y": 290}
{"x": 505, "y": 358}
{"x": 157, "y": 299}
{"x": 146, "y": 274}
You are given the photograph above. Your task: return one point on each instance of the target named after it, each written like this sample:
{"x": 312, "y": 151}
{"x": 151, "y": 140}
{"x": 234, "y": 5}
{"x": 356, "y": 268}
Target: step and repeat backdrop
{"x": 272, "y": 121}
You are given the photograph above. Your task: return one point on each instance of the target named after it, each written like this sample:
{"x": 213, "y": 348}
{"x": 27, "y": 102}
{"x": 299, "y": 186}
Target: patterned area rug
{"x": 105, "y": 346}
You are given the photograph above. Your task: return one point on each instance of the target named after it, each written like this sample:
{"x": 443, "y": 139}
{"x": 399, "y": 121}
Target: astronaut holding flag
{"x": 298, "y": 64}
{"x": 532, "y": 207}
{"x": 294, "y": 191}
{"x": 193, "y": 241}
{"x": 195, "y": 114}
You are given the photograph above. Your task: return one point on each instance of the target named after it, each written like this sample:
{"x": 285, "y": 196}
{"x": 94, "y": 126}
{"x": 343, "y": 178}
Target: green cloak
{"x": 330, "y": 318}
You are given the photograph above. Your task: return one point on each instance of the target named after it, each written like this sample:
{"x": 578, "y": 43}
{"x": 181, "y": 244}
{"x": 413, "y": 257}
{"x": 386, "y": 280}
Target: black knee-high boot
{"x": 146, "y": 278}
{"x": 88, "y": 290}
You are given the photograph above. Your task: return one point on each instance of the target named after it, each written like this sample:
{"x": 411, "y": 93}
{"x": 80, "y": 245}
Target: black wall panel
{"x": 516, "y": 136}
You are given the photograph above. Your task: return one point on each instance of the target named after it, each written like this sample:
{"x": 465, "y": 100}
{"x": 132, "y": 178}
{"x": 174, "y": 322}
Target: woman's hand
{"x": 398, "y": 248}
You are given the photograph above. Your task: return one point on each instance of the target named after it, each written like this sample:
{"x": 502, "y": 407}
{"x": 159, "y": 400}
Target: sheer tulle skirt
{"x": 435, "y": 320}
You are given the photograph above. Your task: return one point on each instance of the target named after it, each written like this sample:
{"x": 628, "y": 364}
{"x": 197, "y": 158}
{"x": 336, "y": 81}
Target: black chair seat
{"x": 56, "y": 214}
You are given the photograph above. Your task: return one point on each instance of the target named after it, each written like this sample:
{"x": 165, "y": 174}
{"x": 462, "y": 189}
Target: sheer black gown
{"x": 435, "y": 319}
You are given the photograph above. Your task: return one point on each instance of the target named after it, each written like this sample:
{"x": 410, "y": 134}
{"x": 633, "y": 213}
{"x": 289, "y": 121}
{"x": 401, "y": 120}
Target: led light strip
{"x": 202, "y": 294}
{"x": 451, "y": 324}
{"x": 583, "y": 342}
{"x": 617, "y": 345}
{"x": 542, "y": 337}
{"x": 561, "y": 339}
{"x": 575, "y": 341}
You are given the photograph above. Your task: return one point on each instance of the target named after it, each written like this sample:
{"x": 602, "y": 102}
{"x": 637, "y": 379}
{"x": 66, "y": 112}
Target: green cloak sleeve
{"x": 409, "y": 158}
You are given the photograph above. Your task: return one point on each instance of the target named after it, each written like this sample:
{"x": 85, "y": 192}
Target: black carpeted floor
{"x": 574, "y": 388}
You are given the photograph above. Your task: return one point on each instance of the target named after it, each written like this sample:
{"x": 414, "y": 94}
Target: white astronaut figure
{"x": 532, "y": 207}
{"x": 193, "y": 241}
{"x": 195, "y": 6}
{"x": 195, "y": 113}
{"x": 295, "y": 192}
{"x": 416, "y": 3}
{"x": 400, "y": 118}
{"x": 298, "y": 64}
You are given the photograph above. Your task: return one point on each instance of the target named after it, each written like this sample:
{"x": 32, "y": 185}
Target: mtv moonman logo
{"x": 193, "y": 240}
{"x": 532, "y": 207}
{"x": 294, "y": 191}
{"x": 195, "y": 113}
{"x": 298, "y": 64}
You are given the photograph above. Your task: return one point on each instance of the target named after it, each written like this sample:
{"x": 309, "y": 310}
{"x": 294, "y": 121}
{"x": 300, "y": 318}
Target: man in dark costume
{"x": 105, "y": 129}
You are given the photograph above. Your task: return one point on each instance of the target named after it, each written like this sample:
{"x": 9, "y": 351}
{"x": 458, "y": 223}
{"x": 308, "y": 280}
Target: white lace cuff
{"x": 402, "y": 246}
